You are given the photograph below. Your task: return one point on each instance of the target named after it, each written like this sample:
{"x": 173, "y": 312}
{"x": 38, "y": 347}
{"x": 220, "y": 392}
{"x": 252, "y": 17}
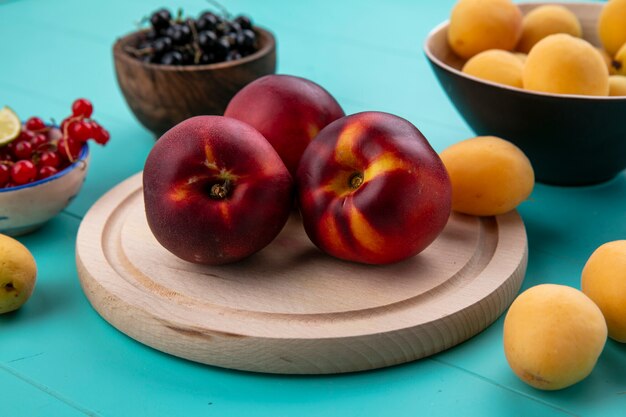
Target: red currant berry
{"x": 5, "y": 154}
{"x": 22, "y": 149}
{"x": 35, "y": 123}
{"x": 79, "y": 131}
{"x": 46, "y": 171}
{"x": 101, "y": 135}
{"x": 5, "y": 174}
{"x": 69, "y": 149}
{"x": 23, "y": 172}
{"x": 49, "y": 159}
{"x": 26, "y": 135}
{"x": 65, "y": 123}
{"x": 39, "y": 140}
{"x": 11, "y": 147}
{"x": 92, "y": 126}
{"x": 82, "y": 107}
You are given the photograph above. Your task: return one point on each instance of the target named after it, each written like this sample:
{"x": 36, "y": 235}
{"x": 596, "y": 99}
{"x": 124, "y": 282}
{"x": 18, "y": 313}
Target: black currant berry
{"x": 160, "y": 19}
{"x": 244, "y": 22}
{"x": 232, "y": 39}
{"x": 180, "y": 34}
{"x": 206, "y": 22}
{"x": 208, "y": 58}
{"x": 188, "y": 58}
{"x": 172, "y": 58}
{"x": 207, "y": 39}
{"x": 235, "y": 27}
{"x": 246, "y": 39}
{"x": 223, "y": 28}
{"x": 222, "y": 47}
{"x": 162, "y": 45}
{"x": 233, "y": 55}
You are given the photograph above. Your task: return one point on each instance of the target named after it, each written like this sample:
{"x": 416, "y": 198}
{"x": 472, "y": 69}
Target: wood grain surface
{"x": 290, "y": 308}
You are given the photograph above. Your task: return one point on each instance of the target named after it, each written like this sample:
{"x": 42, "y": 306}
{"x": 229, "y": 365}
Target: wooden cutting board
{"x": 290, "y": 308}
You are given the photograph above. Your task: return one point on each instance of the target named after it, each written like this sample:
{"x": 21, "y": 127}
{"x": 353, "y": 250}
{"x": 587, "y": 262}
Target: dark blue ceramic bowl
{"x": 570, "y": 140}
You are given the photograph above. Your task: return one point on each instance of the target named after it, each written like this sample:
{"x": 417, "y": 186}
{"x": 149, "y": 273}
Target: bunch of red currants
{"x": 41, "y": 150}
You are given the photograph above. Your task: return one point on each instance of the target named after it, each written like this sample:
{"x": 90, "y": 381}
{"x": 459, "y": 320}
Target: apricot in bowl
{"x": 496, "y": 65}
{"x": 564, "y": 64}
{"x": 480, "y": 25}
{"x": 547, "y": 20}
{"x": 569, "y": 139}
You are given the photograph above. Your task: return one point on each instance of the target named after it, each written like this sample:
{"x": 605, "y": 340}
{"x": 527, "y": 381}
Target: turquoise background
{"x": 59, "y": 358}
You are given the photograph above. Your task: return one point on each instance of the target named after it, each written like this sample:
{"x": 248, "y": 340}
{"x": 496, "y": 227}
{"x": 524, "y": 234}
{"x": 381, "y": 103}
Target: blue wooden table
{"x": 58, "y": 357}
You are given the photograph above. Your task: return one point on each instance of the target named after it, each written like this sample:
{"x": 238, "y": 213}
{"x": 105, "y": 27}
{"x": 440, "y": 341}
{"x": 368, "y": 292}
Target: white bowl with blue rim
{"x": 27, "y": 207}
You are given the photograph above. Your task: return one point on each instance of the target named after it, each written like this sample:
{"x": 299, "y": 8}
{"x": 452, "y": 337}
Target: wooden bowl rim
{"x": 269, "y": 44}
{"x": 444, "y": 25}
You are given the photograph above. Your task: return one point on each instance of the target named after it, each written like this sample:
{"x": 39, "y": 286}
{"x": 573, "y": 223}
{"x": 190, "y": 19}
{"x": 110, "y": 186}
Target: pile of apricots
{"x": 553, "y": 334}
{"x": 541, "y": 51}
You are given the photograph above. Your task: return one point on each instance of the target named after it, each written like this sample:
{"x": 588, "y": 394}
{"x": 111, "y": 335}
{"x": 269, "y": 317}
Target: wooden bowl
{"x": 161, "y": 96}
{"x": 570, "y": 140}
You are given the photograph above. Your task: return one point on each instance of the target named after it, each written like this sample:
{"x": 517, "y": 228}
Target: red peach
{"x": 215, "y": 190}
{"x": 372, "y": 190}
{"x": 289, "y": 111}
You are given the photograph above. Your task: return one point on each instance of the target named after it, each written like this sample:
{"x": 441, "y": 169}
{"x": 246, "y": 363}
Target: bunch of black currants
{"x": 208, "y": 39}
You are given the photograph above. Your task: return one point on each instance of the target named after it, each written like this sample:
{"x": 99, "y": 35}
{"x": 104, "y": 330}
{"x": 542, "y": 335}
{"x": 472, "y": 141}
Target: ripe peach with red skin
{"x": 372, "y": 190}
{"x": 215, "y": 190}
{"x": 289, "y": 111}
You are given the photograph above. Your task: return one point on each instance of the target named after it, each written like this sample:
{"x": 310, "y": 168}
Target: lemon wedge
{"x": 10, "y": 125}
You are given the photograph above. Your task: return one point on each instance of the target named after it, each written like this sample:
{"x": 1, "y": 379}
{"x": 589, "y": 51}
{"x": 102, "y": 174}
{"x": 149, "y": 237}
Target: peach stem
{"x": 221, "y": 191}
